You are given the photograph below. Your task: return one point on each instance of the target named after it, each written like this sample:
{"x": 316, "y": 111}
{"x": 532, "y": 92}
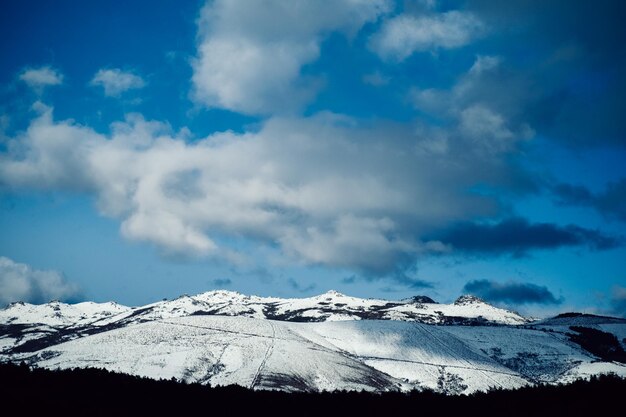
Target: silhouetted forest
{"x": 602, "y": 344}
{"x": 93, "y": 392}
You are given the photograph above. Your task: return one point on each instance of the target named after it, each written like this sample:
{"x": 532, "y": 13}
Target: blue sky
{"x": 379, "y": 148}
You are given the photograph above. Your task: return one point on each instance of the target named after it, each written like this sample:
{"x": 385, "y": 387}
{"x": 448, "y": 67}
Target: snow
{"x": 6, "y": 343}
{"x": 587, "y": 369}
{"x": 416, "y": 353}
{"x": 354, "y": 355}
{"x": 326, "y": 342}
{"x": 57, "y": 313}
{"x": 219, "y": 350}
{"x": 330, "y": 306}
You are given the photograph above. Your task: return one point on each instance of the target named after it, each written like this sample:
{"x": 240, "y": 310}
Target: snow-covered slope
{"x": 371, "y": 355}
{"x": 57, "y": 313}
{"x": 29, "y": 327}
{"x": 327, "y": 342}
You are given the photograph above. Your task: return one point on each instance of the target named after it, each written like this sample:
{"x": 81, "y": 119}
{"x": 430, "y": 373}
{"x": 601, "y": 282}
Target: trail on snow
{"x": 268, "y": 353}
{"x": 454, "y": 355}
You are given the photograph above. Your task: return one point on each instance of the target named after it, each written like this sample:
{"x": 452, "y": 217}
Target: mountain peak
{"x": 468, "y": 299}
{"x": 420, "y": 299}
{"x": 332, "y": 293}
{"x": 15, "y": 304}
{"x": 222, "y": 293}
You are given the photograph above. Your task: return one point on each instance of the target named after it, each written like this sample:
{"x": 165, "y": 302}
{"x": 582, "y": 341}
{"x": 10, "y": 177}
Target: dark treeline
{"x": 93, "y": 392}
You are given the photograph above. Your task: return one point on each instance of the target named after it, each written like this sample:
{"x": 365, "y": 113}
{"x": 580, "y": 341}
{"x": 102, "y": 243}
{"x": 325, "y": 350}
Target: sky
{"x": 379, "y": 148}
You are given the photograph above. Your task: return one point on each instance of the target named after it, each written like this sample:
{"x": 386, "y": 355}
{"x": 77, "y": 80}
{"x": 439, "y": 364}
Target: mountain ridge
{"x": 329, "y": 306}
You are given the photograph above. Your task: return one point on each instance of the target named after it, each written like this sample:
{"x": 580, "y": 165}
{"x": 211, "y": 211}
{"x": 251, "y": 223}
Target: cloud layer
{"x": 372, "y": 196}
{"x": 611, "y": 203}
{"x": 517, "y": 236}
{"x": 511, "y": 292}
{"x": 577, "y": 59}
{"x": 321, "y": 189}
{"x": 20, "y": 282}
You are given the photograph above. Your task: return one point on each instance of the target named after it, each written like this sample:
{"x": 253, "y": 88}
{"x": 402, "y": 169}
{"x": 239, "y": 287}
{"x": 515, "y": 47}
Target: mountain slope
{"x": 28, "y": 327}
{"x": 353, "y": 355}
{"x": 326, "y": 342}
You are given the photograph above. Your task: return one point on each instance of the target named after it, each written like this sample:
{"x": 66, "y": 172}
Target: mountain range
{"x": 328, "y": 342}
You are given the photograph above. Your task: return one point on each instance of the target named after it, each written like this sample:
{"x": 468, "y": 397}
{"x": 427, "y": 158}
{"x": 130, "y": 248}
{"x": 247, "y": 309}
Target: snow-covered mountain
{"x": 56, "y": 313}
{"x": 327, "y": 342}
{"x": 330, "y": 306}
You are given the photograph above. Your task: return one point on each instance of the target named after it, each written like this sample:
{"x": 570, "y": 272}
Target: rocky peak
{"x": 468, "y": 299}
{"x": 420, "y": 299}
{"x": 332, "y": 293}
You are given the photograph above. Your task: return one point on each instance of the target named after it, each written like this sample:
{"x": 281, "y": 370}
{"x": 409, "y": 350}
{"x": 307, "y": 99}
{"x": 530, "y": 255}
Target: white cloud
{"x": 465, "y": 92}
{"x": 350, "y": 241}
{"x": 250, "y": 53}
{"x": 323, "y": 190}
{"x": 490, "y": 126}
{"x": 430, "y": 99}
{"x": 20, "y": 282}
{"x": 115, "y": 81}
{"x": 243, "y": 76}
{"x": 39, "y": 78}
{"x": 486, "y": 127}
{"x": 403, "y": 35}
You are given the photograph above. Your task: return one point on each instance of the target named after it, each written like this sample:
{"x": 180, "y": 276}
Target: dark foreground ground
{"x": 91, "y": 392}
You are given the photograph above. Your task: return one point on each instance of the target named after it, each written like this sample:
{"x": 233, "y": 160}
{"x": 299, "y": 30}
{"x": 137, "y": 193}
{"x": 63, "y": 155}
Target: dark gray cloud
{"x": 517, "y": 236}
{"x": 511, "y": 292}
{"x": 611, "y": 203}
{"x": 571, "y": 57}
